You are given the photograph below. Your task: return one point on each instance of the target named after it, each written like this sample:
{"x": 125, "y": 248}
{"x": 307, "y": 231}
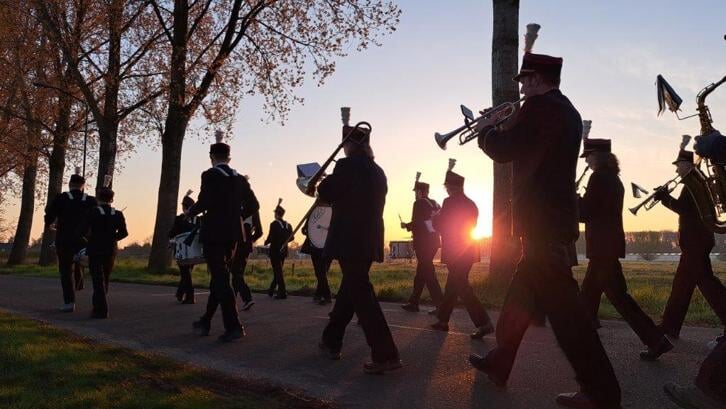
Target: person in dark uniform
{"x": 321, "y": 266}
{"x": 425, "y": 243}
{"x": 69, "y": 211}
{"x": 694, "y": 268}
{"x": 542, "y": 141}
{"x": 356, "y": 190}
{"x": 182, "y": 224}
{"x": 252, "y": 232}
{"x": 223, "y": 193}
{"x": 456, "y": 220}
{"x": 709, "y": 391}
{"x": 277, "y": 238}
{"x": 105, "y": 227}
{"x": 601, "y": 209}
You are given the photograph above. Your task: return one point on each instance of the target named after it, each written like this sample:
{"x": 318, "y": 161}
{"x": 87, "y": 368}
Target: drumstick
{"x": 399, "y": 217}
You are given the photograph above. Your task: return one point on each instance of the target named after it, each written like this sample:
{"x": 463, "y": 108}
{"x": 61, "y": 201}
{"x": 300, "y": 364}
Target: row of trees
{"x": 141, "y": 71}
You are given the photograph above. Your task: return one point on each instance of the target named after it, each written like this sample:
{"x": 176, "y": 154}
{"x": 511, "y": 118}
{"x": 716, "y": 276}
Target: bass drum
{"x": 318, "y": 224}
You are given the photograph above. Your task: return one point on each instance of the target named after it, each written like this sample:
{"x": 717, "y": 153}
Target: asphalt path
{"x": 281, "y": 347}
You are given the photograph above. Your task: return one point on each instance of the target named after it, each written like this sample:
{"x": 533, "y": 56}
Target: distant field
{"x": 649, "y": 282}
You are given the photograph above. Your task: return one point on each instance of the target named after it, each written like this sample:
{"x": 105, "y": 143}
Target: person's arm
{"x": 288, "y": 232}
{"x": 204, "y": 198}
{"x": 270, "y": 234}
{"x": 250, "y": 205}
{"x": 337, "y": 184}
{"x": 257, "y": 231}
{"x": 439, "y": 220}
{"x": 53, "y": 210}
{"x": 121, "y": 232}
{"x": 506, "y": 145}
{"x": 174, "y": 228}
{"x": 595, "y": 199}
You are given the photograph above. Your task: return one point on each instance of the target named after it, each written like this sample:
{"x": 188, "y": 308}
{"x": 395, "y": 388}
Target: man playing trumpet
{"x": 542, "y": 142}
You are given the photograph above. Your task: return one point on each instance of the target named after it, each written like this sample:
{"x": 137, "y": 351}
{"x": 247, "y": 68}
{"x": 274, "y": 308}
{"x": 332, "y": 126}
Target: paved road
{"x": 281, "y": 346}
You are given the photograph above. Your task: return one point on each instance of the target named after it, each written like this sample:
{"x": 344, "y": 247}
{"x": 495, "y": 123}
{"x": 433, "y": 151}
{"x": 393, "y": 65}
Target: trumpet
{"x": 467, "y": 132}
{"x": 650, "y": 201}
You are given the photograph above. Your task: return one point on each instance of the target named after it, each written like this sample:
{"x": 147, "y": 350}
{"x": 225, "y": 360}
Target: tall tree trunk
{"x": 56, "y": 167}
{"x": 106, "y": 152}
{"x": 19, "y": 251}
{"x": 160, "y": 257}
{"x": 505, "y": 45}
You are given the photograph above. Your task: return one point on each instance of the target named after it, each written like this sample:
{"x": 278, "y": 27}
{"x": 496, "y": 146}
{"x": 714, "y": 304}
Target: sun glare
{"x": 479, "y": 232}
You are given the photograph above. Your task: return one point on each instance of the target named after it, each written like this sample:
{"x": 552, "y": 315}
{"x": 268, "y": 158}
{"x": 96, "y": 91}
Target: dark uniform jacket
{"x": 543, "y": 145}
{"x": 692, "y": 233}
{"x": 182, "y": 224}
{"x": 278, "y": 237}
{"x": 601, "y": 209}
{"x": 356, "y": 191}
{"x": 222, "y": 194}
{"x": 70, "y": 209}
{"x": 455, "y": 222}
{"x": 423, "y": 237}
{"x": 104, "y": 228}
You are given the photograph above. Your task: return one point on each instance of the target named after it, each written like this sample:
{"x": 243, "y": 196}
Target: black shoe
{"x": 435, "y": 311}
{"x": 482, "y": 331}
{"x": 378, "y": 368}
{"x": 410, "y": 307}
{"x": 577, "y": 400}
{"x": 99, "y": 315}
{"x": 441, "y": 326}
{"x": 247, "y": 305}
{"x": 231, "y": 336}
{"x": 189, "y": 300}
{"x": 480, "y": 363}
{"x": 332, "y": 354}
{"x": 282, "y": 296}
{"x": 652, "y": 354}
{"x": 325, "y": 301}
{"x": 271, "y": 292}
{"x": 202, "y": 326}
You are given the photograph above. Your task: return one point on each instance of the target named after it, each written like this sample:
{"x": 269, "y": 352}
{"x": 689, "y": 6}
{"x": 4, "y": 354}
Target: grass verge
{"x": 43, "y": 367}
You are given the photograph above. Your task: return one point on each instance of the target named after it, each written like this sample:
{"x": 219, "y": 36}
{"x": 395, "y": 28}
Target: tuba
{"x": 708, "y": 188}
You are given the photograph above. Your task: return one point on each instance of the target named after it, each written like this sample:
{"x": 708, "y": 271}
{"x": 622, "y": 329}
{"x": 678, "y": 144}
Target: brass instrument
{"x": 581, "y": 178}
{"x": 708, "y": 188}
{"x": 650, "y": 201}
{"x": 467, "y": 132}
{"x": 586, "y": 127}
{"x": 309, "y": 185}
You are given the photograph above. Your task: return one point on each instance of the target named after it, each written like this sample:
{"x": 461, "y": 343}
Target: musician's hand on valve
{"x": 661, "y": 193}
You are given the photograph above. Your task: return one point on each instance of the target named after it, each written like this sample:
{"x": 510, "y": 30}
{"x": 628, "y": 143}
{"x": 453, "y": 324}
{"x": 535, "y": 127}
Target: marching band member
{"x": 356, "y": 190}
{"x": 223, "y": 193}
{"x": 710, "y": 386}
{"x": 694, "y": 268}
{"x": 601, "y": 209}
{"x": 542, "y": 142}
{"x": 252, "y": 232}
{"x": 321, "y": 266}
{"x": 69, "y": 211}
{"x": 425, "y": 243}
{"x": 105, "y": 227}
{"x": 277, "y": 238}
{"x": 185, "y": 289}
{"x": 455, "y": 222}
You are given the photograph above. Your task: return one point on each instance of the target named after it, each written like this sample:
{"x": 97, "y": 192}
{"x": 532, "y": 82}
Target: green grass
{"x": 649, "y": 282}
{"x": 42, "y": 367}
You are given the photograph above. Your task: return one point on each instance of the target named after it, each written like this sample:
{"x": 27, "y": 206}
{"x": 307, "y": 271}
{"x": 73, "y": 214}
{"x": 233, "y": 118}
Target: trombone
{"x": 467, "y": 132}
{"x": 581, "y": 178}
{"x": 650, "y": 201}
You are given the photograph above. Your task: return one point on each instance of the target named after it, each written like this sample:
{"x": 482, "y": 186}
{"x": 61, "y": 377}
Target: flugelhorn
{"x": 467, "y": 132}
{"x": 650, "y": 201}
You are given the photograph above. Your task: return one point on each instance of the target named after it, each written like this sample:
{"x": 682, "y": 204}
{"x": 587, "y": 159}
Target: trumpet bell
{"x": 441, "y": 140}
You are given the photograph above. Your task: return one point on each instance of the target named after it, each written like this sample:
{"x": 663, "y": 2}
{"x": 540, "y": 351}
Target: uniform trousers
{"x": 219, "y": 257}
{"x": 239, "y": 264}
{"x": 278, "y": 280}
{"x": 425, "y": 275}
{"x": 321, "y": 265}
{"x": 185, "y": 288}
{"x": 458, "y": 287}
{"x": 67, "y": 274}
{"x": 101, "y": 266}
{"x": 543, "y": 280}
{"x": 711, "y": 377}
{"x": 356, "y": 297}
{"x": 605, "y": 275}
{"x": 694, "y": 270}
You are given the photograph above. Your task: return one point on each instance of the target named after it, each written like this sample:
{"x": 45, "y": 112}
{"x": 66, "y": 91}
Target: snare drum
{"x": 188, "y": 254}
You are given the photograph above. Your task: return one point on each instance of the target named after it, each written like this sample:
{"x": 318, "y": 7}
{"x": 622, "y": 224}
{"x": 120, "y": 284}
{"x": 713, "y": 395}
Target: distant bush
{"x": 648, "y": 256}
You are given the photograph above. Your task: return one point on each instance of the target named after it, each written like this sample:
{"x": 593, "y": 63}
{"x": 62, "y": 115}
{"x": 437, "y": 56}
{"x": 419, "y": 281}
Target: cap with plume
{"x": 453, "y": 179}
{"x": 219, "y": 149}
{"x": 586, "y": 126}
{"x": 345, "y": 115}
{"x": 76, "y": 178}
{"x": 530, "y": 36}
{"x": 452, "y": 163}
{"x": 78, "y": 170}
{"x": 105, "y": 194}
{"x": 683, "y": 154}
{"x": 219, "y": 136}
{"x": 420, "y": 185}
{"x": 187, "y": 201}
{"x": 685, "y": 139}
{"x": 279, "y": 210}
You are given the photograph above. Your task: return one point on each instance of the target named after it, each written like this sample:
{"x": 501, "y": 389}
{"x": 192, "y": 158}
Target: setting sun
{"x": 480, "y": 231}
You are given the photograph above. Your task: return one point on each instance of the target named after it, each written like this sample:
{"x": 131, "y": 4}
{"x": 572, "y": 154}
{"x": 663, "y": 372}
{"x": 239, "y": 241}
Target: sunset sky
{"x": 438, "y": 58}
